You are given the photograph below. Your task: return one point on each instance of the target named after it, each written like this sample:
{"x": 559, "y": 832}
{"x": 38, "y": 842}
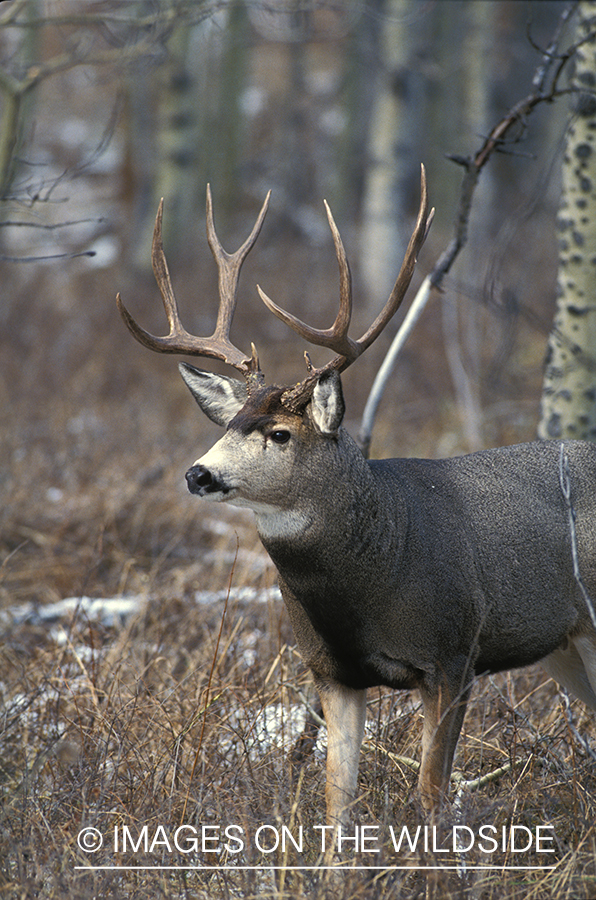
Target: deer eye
{"x": 280, "y": 436}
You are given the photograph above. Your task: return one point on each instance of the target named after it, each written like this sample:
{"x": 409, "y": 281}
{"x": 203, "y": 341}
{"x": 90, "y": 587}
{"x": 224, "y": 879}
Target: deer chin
{"x": 222, "y": 495}
{"x": 273, "y": 522}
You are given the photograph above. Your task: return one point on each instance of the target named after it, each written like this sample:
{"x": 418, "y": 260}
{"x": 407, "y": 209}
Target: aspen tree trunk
{"x": 175, "y": 161}
{"x": 394, "y": 166}
{"x": 568, "y": 408}
{"x": 222, "y": 158}
{"x": 462, "y": 316}
{"x": 359, "y": 78}
{"x": 194, "y": 111}
{"x": 16, "y": 100}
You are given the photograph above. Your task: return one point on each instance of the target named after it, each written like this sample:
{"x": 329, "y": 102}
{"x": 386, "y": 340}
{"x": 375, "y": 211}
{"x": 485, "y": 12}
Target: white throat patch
{"x": 276, "y": 523}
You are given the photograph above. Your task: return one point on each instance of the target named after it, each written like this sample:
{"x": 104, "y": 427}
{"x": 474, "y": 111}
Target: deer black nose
{"x": 200, "y": 480}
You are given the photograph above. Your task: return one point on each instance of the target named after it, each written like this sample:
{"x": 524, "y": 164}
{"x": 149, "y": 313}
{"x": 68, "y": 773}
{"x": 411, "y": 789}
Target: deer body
{"x": 410, "y": 573}
{"x": 420, "y": 546}
{"x": 406, "y": 573}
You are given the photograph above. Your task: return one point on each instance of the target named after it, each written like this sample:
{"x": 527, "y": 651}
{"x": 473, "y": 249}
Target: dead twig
{"x": 546, "y": 87}
{"x": 565, "y": 482}
{"x": 208, "y": 688}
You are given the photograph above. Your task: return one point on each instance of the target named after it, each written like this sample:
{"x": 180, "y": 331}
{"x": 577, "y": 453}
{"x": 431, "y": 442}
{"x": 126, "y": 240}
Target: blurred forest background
{"x": 107, "y": 106}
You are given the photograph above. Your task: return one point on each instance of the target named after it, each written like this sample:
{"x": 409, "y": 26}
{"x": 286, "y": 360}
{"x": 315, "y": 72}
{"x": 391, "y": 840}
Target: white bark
{"x": 569, "y": 389}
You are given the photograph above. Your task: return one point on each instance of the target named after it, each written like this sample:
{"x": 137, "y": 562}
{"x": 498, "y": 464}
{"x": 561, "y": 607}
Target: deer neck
{"x": 338, "y": 500}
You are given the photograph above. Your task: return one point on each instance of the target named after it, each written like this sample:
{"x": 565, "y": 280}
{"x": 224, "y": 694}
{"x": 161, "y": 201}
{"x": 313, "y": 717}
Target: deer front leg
{"x": 444, "y": 712}
{"x": 345, "y": 712}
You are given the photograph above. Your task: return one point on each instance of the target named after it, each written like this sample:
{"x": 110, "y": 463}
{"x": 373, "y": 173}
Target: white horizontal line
{"x": 315, "y": 868}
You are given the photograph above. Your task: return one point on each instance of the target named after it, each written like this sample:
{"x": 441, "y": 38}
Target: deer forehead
{"x": 264, "y": 412}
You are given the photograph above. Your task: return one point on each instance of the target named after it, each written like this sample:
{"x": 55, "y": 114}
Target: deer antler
{"x": 336, "y": 338}
{"x": 218, "y": 346}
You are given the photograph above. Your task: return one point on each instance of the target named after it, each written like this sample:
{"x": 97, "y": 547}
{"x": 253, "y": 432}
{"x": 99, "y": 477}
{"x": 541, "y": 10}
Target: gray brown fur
{"x": 408, "y": 573}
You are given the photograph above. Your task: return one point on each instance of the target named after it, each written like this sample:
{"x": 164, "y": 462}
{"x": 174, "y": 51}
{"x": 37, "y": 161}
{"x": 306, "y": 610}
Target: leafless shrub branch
{"x": 546, "y": 88}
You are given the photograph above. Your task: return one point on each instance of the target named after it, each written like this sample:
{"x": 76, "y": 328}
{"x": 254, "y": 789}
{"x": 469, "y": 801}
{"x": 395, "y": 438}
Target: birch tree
{"x": 394, "y": 133}
{"x": 568, "y": 407}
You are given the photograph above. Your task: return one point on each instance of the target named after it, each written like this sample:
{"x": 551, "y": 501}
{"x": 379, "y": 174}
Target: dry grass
{"x": 159, "y": 719}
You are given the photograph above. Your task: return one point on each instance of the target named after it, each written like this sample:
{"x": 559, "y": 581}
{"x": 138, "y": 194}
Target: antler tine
{"x": 162, "y": 275}
{"x": 421, "y": 229}
{"x": 336, "y": 338}
{"x": 178, "y": 340}
{"x": 229, "y": 266}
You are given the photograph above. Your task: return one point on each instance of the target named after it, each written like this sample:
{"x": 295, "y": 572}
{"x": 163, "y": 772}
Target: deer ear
{"x": 219, "y": 397}
{"x": 327, "y": 406}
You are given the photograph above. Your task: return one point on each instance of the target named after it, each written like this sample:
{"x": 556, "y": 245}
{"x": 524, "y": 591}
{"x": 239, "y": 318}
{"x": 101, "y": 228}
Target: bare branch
{"x": 15, "y": 223}
{"x": 545, "y": 89}
{"x": 30, "y": 259}
{"x": 580, "y": 740}
{"x": 565, "y": 483}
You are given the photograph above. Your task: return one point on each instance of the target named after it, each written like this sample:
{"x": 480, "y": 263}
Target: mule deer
{"x": 410, "y": 573}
